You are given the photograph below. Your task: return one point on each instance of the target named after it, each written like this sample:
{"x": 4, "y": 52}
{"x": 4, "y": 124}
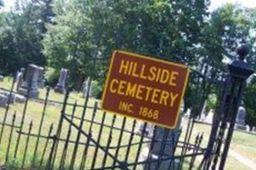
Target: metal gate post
{"x": 239, "y": 72}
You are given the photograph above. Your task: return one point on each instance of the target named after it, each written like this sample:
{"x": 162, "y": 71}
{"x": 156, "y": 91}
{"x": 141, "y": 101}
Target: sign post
{"x": 145, "y": 88}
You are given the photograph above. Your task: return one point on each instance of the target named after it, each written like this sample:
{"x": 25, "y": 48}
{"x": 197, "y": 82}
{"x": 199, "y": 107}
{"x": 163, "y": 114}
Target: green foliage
{"x": 250, "y": 118}
{"x": 227, "y": 28}
{"x": 191, "y": 94}
{"x": 52, "y": 76}
{"x": 21, "y": 34}
{"x": 96, "y": 89}
{"x": 85, "y": 30}
{"x": 80, "y": 35}
{"x": 20, "y": 43}
{"x": 211, "y": 102}
{"x": 250, "y": 103}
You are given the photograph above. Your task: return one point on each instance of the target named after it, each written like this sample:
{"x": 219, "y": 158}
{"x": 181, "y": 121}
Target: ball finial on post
{"x": 242, "y": 51}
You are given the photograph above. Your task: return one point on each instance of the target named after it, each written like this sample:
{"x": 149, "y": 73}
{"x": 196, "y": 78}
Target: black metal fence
{"x": 82, "y": 136}
{"x": 45, "y": 133}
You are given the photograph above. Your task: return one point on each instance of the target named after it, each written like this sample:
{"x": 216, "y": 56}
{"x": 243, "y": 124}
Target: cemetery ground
{"x": 242, "y": 143}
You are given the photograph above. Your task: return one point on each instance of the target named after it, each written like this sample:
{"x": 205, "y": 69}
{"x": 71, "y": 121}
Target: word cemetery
{"x": 145, "y": 88}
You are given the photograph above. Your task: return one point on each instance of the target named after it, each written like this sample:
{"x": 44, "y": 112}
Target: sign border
{"x": 148, "y": 58}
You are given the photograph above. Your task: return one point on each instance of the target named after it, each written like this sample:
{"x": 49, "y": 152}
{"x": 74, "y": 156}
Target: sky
{"x": 214, "y": 3}
{"x": 218, "y": 3}
{"x": 8, "y": 4}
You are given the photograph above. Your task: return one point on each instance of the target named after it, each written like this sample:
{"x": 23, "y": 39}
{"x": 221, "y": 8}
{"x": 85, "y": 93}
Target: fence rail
{"x": 51, "y": 134}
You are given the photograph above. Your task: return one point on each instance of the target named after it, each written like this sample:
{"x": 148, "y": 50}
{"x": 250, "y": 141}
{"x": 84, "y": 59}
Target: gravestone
{"x": 247, "y": 128}
{"x": 13, "y": 97}
{"x": 254, "y": 129}
{"x": 41, "y": 78}
{"x": 240, "y": 118}
{"x": 19, "y": 78}
{"x": 20, "y": 98}
{"x": 61, "y": 85}
{"x": 30, "y": 83}
{"x": 10, "y": 96}
{"x": 86, "y": 87}
{"x": 3, "y": 100}
{"x": 157, "y": 150}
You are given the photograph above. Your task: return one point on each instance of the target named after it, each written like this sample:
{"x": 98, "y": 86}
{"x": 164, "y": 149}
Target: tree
{"x": 67, "y": 44}
{"x": 22, "y": 33}
{"x": 250, "y": 103}
{"x": 228, "y": 26}
{"x": 85, "y": 30}
{"x": 225, "y": 29}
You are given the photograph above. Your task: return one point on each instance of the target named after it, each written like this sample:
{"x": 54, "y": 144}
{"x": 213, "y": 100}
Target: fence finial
{"x": 240, "y": 68}
{"x": 242, "y": 51}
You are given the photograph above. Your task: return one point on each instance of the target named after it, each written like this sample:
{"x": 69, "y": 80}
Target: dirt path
{"x": 247, "y": 162}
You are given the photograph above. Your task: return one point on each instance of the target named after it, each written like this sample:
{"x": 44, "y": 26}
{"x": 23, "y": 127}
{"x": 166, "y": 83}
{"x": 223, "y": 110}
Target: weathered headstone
{"x": 19, "y": 78}
{"x": 3, "y": 100}
{"x": 157, "y": 150}
{"x": 41, "y": 78}
{"x": 61, "y": 85}
{"x": 86, "y": 87}
{"x": 247, "y": 128}
{"x": 10, "y": 96}
{"x": 31, "y": 81}
{"x": 240, "y": 118}
{"x": 13, "y": 97}
{"x": 254, "y": 129}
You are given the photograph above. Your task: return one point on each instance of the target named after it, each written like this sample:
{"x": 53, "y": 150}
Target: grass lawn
{"x": 52, "y": 116}
{"x": 242, "y": 143}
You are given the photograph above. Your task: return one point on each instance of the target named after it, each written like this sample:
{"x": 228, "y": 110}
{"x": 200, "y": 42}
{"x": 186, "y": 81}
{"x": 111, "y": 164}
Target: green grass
{"x": 242, "y": 143}
{"x": 52, "y": 115}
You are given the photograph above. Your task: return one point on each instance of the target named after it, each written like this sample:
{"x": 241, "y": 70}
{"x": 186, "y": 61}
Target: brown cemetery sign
{"x": 145, "y": 88}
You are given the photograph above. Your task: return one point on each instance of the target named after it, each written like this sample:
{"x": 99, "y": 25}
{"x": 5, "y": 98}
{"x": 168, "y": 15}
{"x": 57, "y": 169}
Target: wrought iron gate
{"x": 89, "y": 138}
